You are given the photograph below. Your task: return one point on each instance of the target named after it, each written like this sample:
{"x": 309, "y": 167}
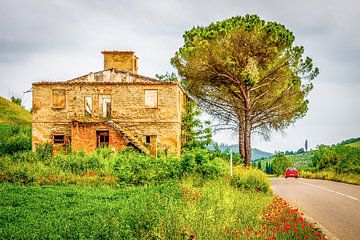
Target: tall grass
{"x": 333, "y": 176}
{"x": 210, "y": 210}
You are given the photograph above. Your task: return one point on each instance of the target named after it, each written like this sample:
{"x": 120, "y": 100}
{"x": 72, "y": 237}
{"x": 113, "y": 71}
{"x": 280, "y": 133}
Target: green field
{"x": 169, "y": 211}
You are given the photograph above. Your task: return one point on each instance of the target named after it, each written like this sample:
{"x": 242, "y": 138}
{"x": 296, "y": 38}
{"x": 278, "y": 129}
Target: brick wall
{"x": 83, "y": 137}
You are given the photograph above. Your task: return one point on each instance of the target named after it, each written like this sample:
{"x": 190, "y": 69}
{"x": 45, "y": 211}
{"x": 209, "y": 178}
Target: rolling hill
{"x": 256, "y": 153}
{"x": 15, "y": 128}
{"x": 13, "y": 114}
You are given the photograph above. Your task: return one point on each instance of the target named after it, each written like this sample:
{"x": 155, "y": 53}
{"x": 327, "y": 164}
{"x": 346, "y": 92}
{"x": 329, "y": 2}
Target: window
{"x": 151, "y": 98}
{"x": 147, "y": 139}
{"x": 58, "y": 97}
{"x": 102, "y": 137}
{"x": 59, "y": 139}
{"x": 106, "y": 107}
{"x": 88, "y": 106}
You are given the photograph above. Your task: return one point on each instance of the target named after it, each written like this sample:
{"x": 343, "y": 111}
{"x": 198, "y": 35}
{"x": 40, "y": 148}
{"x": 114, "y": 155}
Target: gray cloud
{"x": 59, "y": 40}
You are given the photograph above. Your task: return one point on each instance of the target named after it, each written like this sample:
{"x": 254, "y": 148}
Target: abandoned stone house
{"x": 114, "y": 107}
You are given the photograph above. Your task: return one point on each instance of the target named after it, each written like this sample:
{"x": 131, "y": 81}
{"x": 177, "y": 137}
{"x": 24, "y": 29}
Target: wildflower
{"x": 192, "y": 235}
{"x": 295, "y": 230}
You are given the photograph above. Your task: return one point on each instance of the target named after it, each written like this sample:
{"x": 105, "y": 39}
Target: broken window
{"x": 58, "y": 97}
{"x": 102, "y": 137}
{"x": 59, "y": 139}
{"x": 88, "y": 106}
{"x": 151, "y": 98}
{"x": 106, "y": 107}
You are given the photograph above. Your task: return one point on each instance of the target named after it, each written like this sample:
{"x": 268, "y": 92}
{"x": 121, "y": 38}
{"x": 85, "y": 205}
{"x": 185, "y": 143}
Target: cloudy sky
{"x": 60, "y": 40}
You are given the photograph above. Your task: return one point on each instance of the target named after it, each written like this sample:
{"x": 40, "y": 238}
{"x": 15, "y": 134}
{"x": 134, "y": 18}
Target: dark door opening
{"x": 102, "y": 138}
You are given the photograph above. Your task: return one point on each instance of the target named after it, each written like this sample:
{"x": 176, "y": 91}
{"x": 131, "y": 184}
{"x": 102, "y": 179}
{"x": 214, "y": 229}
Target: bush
{"x": 280, "y": 163}
{"x": 14, "y": 139}
{"x": 339, "y": 158}
{"x": 250, "y": 179}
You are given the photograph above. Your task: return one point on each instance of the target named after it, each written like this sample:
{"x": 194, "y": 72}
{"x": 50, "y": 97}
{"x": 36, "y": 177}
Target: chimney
{"x": 125, "y": 60}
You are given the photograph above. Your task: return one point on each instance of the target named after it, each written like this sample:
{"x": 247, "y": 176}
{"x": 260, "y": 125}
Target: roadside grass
{"x": 333, "y": 176}
{"x": 174, "y": 210}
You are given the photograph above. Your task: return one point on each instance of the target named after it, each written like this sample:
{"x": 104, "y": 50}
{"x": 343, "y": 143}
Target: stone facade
{"x": 131, "y": 109}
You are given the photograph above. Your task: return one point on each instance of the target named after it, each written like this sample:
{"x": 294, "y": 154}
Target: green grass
{"x": 354, "y": 144}
{"x": 332, "y": 176}
{"x": 11, "y": 113}
{"x": 212, "y": 210}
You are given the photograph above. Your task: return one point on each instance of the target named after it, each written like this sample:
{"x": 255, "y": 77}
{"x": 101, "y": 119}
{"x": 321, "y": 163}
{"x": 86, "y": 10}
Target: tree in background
{"x": 167, "y": 77}
{"x": 195, "y": 134}
{"x": 280, "y": 163}
{"x": 16, "y": 100}
{"x": 259, "y": 165}
{"x": 306, "y": 145}
{"x": 300, "y": 151}
{"x": 248, "y": 74}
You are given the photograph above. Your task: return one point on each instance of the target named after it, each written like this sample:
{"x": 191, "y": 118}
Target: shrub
{"x": 14, "y": 139}
{"x": 250, "y": 179}
{"x": 339, "y": 158}
{"x": 280, "y": 163}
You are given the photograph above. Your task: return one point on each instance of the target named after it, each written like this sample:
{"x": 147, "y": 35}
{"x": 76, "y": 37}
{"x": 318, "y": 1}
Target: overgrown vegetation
{"x": 14, "y": 138}
{"x": 105, "y": 168}
{"x": 15, "y": 127}
{"x": 337, "y": 163}
{"x": 184, "y": 210}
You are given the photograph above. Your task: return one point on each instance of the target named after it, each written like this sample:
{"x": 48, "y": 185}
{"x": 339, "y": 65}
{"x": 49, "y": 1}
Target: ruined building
{"x": 114, "y": 107}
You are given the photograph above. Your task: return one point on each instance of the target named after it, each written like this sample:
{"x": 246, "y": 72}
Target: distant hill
{"x": 11, "y": 113}
{"x": 352, "y": 142}
{"x": 256, "y": 153}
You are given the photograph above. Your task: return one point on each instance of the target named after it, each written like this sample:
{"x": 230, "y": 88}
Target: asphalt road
{"x": 335, "y": 206}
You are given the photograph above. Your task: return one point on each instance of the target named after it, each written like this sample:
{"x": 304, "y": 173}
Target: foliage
{"x": 350, "y": 178}
{"x": 247, "y": 73}
{"x": 14, "y": 138}
{"x": 300, "y": 151}
{"x": 195, "y": 133}
{"x": 349, "y": 141}
{"x": 250, "y": 179}
{"x": 16, "y": 100}
{"x": 280, "y": 163}
{"x": 338, "y": 158}
{"x": 105, "y": 168}
{"x": 167, "y": 77}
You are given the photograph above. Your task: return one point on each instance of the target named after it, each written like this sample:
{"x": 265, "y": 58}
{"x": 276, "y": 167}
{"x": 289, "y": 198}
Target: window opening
{"x": 59, "y": 139}
{"x": 102, "y": 138}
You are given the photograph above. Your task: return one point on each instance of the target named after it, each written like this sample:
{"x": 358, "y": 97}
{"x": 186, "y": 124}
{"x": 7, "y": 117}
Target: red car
{"x": 291, "y": 172}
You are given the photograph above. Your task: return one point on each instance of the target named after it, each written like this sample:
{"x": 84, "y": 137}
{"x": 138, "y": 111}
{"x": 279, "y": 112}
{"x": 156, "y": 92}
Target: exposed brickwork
{"x": 84, "y": 136}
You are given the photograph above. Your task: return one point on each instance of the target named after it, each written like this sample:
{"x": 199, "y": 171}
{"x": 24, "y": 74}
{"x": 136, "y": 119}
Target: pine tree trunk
{"x": 247, "y": 144}
{"x": 242, "y": 140}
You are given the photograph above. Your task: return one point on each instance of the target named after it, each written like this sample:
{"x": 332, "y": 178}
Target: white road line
{"x": 329, "y": 190}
